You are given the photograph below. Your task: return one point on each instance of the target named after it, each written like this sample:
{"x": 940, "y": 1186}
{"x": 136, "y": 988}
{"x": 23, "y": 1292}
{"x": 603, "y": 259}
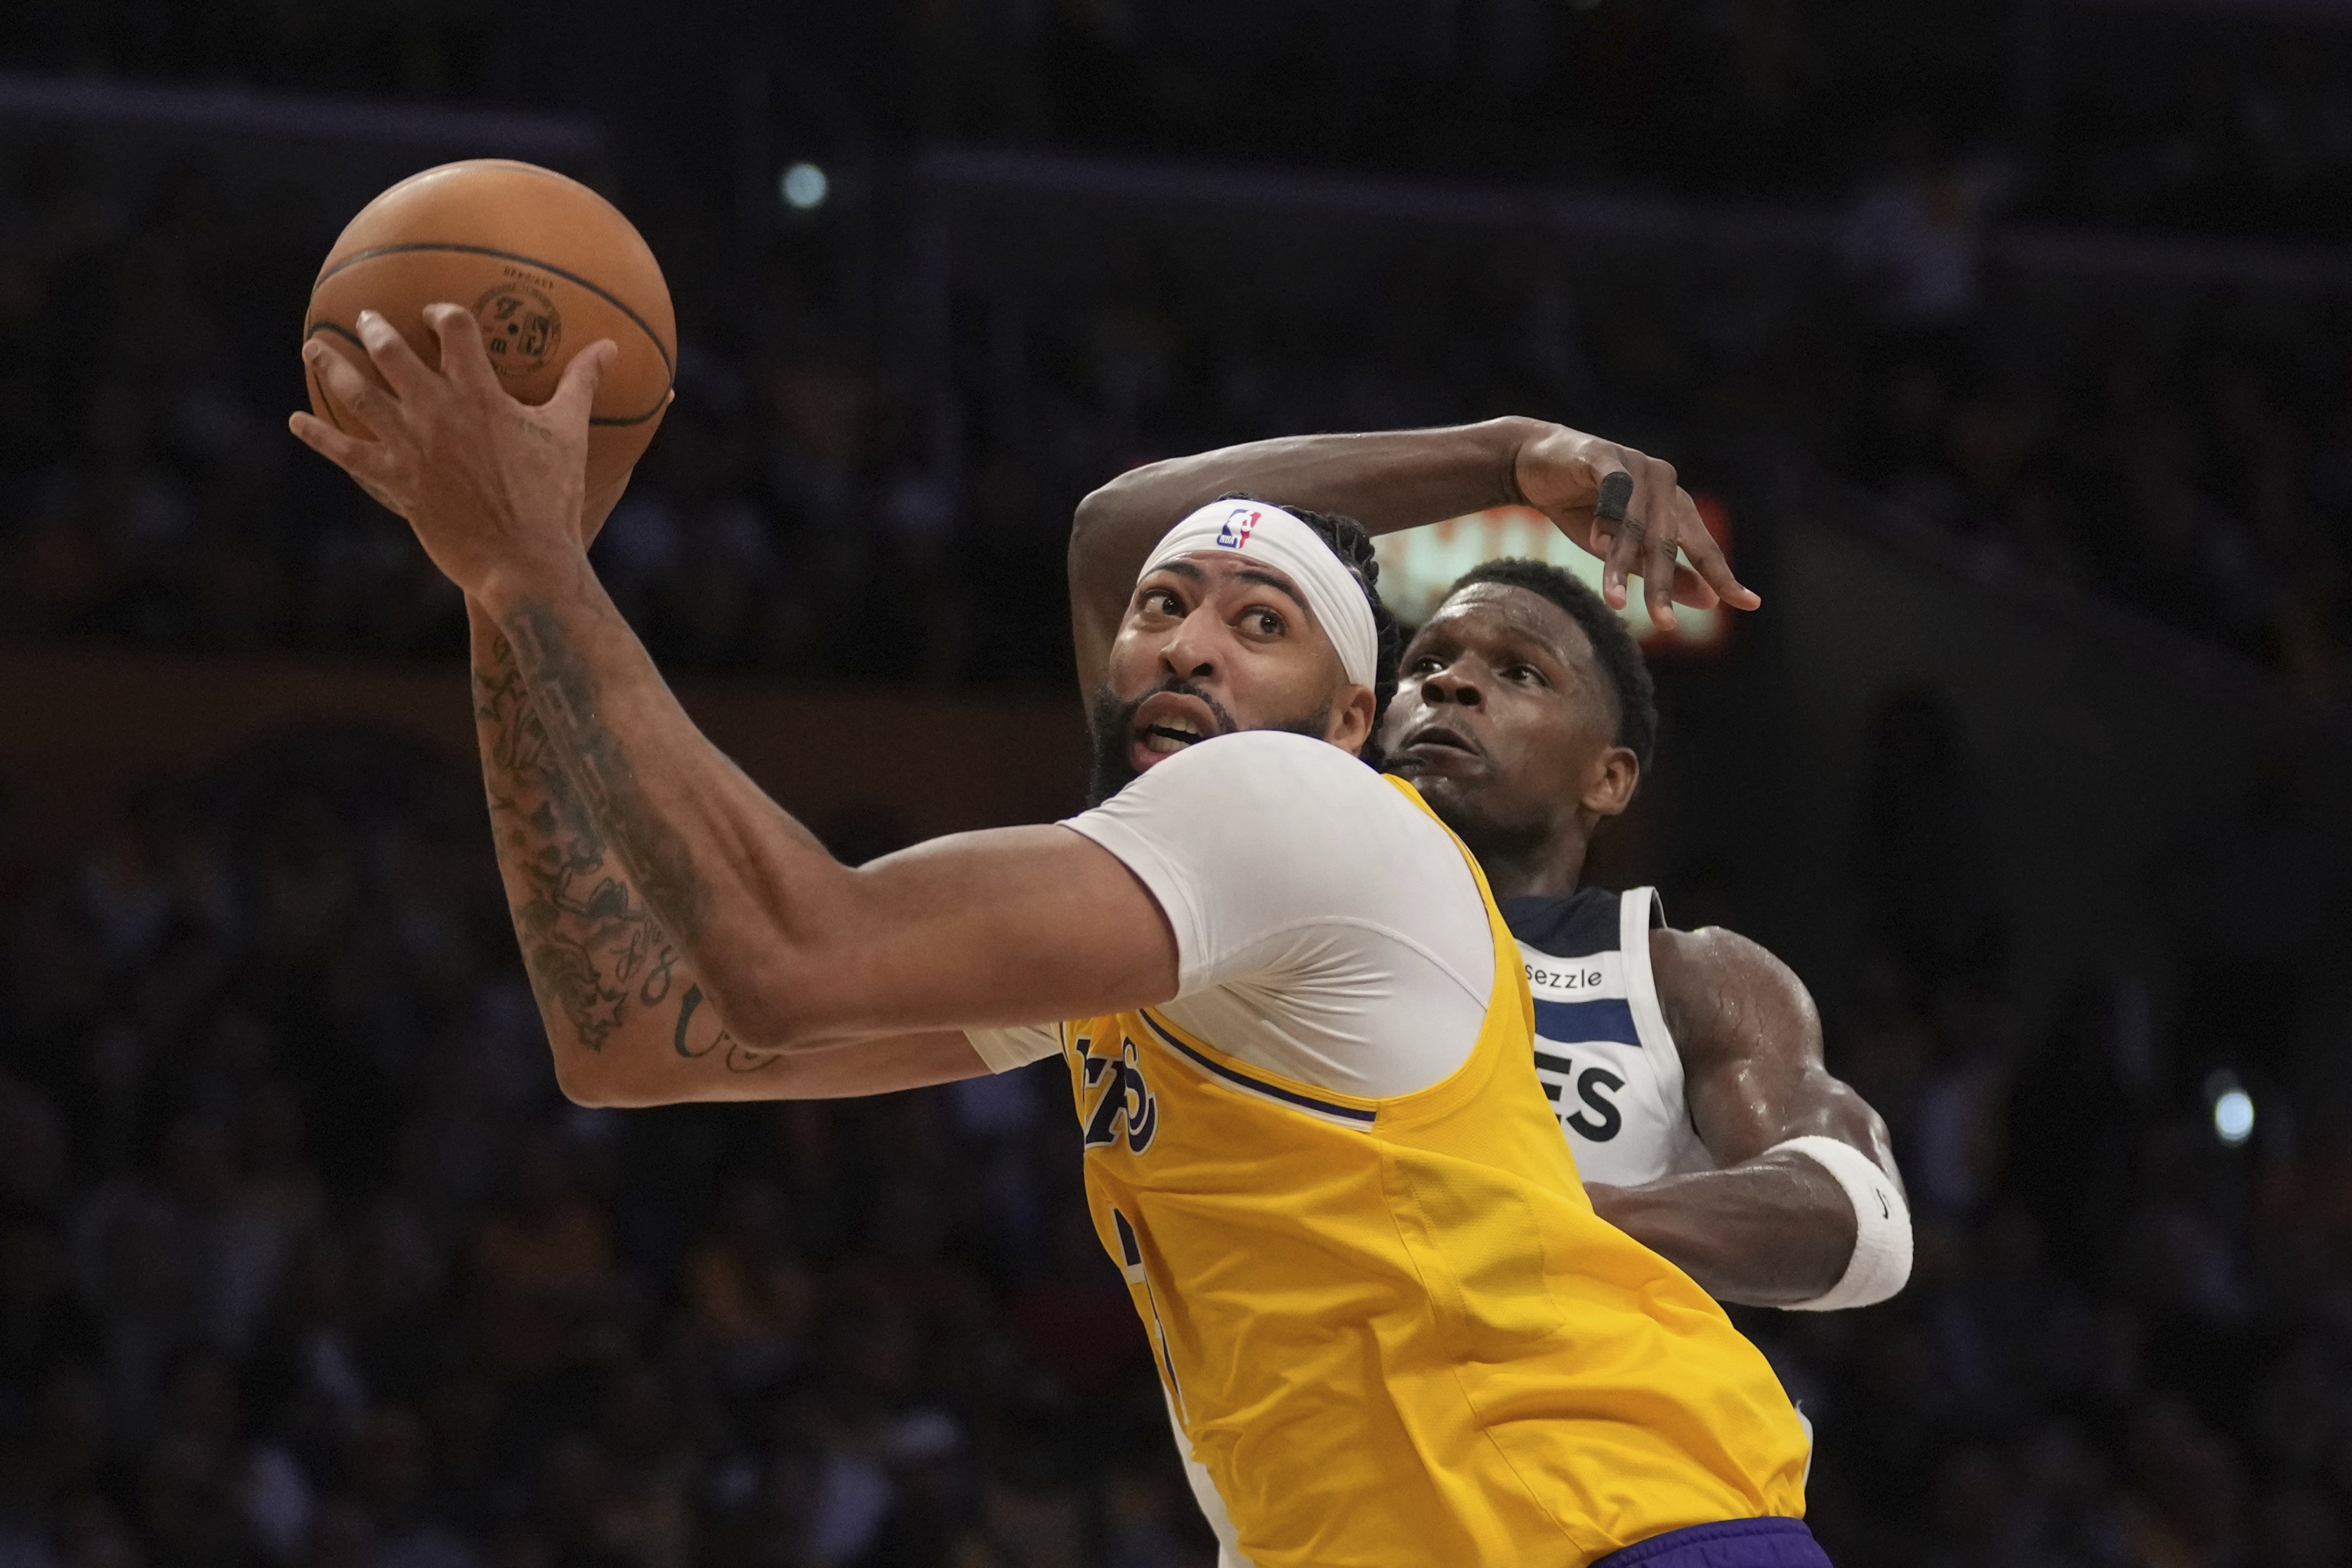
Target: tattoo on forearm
{"x": 589, "y": 945}
{"x": 564, "y": 692}
{"x": 695, "y": 1043}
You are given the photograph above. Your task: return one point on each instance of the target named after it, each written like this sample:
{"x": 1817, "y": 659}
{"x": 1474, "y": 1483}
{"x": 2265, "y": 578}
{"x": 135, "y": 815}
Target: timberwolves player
{"x": 1684, "y": 1067}
{"x": 1295, "y": 1027}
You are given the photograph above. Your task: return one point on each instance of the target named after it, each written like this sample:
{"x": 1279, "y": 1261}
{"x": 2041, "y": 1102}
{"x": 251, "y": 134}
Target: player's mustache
{"x": 1111, "y": 721}
{"x": 1177, "y": 686}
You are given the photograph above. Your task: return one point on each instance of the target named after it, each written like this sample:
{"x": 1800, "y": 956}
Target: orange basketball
{"x": 546, "y": 265}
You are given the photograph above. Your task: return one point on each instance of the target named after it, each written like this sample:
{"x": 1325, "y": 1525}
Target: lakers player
{"x": 1297, "y": 1030}
{"x": 1685, "y": 1067}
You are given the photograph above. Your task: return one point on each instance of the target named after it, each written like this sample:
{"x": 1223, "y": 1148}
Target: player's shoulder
{"x": 1262, "y": 752}
{"x": 1276, "y": 773}
{"x": 1712, "y": 965}
{"x": 1564, "y": 925}
{"x": 1288, "y": 805}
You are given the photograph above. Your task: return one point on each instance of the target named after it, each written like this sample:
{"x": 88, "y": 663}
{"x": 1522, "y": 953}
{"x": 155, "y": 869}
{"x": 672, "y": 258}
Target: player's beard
{"x": 1111, "y": 724}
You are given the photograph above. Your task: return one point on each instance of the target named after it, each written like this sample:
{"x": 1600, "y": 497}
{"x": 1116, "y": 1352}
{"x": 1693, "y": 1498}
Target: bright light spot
{"x": 2233, "y": 1116}
{"x": 806, "y": 187}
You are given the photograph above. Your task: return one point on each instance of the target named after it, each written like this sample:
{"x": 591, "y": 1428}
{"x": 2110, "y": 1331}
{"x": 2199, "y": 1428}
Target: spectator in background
{"x": 546, "y": 1293}
{"x": 1915, "y": 237}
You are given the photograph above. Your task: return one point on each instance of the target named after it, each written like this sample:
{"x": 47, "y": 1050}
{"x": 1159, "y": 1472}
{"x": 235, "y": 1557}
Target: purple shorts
{"x": 1734, "y": 1544}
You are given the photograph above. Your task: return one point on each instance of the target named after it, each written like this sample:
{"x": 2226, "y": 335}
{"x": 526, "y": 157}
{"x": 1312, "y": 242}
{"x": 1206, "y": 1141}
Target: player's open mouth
{"x": 1166, "y": 724}
{"x": 1438, "y": 735}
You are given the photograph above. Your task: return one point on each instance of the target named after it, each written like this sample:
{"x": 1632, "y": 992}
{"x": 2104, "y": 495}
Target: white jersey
{"x": 1326, "y": 930}
{"x": 1602, "y": 1051}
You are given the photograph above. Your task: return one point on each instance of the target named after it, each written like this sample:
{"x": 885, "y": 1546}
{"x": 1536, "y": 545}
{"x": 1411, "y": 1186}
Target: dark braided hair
{"x": 1353, "y": 546}
{"x": 1614, "y": 648}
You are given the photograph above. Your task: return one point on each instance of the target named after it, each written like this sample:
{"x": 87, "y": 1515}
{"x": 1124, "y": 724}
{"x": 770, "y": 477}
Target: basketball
{"x": 546, "y": 265}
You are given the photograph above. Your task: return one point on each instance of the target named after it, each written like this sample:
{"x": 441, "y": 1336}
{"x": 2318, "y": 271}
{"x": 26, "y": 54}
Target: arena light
{"x": 806, "y": 187}
{"x": 2233, "y": 1109}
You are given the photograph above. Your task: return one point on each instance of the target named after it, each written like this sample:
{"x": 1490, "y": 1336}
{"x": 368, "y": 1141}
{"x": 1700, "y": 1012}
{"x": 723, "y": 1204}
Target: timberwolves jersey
{"x": 1607, "y": 1063}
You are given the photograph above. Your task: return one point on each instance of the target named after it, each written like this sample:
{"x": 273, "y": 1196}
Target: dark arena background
{"x": 2008, "y": 342}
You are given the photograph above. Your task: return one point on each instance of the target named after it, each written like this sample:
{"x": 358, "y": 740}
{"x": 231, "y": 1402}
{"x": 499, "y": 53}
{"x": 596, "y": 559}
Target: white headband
{"x": 1271, "y": 535}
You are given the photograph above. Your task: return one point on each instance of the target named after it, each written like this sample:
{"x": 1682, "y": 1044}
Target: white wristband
{"x": 1882, "y": 1234}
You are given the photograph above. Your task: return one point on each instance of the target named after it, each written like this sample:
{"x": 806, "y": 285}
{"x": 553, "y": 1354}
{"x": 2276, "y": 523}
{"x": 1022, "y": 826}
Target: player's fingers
{"x": 348, "y": 385}
{"x": 1654, "y": 503}
{"x": 1712, "y": 567}
{"x": 392, "y": 356}
{"x": 463, "y": 357}
{"x": 1627, "y": 530}
{"x": 370, "y": 467}
{"x": 576, "y": 395}
{"x": 1687, "y": 531}
{"x": 1658, "y": 570}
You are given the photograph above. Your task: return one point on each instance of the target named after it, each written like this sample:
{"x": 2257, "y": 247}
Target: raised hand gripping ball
{"x": 546, "y": 265}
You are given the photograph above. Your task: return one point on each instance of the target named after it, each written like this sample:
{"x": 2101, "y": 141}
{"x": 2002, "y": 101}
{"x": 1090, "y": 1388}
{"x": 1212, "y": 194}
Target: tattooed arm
{"x": 626, "y": 1017}
{"x": 792, "y": 949}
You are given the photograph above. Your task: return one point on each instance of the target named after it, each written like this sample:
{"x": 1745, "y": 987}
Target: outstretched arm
{"x": 1397, "y": 479}
{"x": 793, "y": 951}
{"x": 625, "y": 1017}
{"x": 1766, "y": 1228}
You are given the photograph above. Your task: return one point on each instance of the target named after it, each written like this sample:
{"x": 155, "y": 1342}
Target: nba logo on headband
{"x": 1267, "y": 534}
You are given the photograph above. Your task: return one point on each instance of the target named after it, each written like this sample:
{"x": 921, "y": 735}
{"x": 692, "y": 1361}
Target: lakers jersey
{"x": 1393, "y": 1331}
{"x": 1601, "y": 1049}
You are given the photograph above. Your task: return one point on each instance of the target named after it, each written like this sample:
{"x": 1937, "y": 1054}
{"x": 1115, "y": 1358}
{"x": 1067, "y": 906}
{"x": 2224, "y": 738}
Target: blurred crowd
{"x": 881, "y": 432}
{"x": 303, "y": 1261}
{"x": 822, "y": 500}
{"x": 305, "y": 1264}
{"x": 2210, "y": 114}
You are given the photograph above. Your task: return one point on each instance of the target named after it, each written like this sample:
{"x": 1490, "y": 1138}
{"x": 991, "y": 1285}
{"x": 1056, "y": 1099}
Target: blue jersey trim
{"x": 1604, "y": 1018}
{"x": 1256, "y": 1086}
{"x": 1567, "y": 926}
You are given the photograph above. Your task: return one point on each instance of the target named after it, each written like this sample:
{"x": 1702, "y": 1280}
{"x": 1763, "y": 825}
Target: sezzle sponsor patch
{"x": 1587, "y": 979}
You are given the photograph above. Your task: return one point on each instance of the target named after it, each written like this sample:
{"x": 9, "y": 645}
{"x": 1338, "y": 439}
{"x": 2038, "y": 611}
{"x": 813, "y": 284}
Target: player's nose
{"x": 1192, "y": 650}
{"x": 1452, "y": 683}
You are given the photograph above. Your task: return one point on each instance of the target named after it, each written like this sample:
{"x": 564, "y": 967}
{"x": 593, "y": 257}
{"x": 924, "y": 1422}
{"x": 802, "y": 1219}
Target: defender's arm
{"x": 627, "y": 1017}
{"x": 1396, "y": 479}
{"x": 1773, "y": 1226}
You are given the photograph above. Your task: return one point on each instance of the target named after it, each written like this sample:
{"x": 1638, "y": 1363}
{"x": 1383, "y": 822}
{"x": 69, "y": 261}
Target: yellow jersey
{"x": 1394, "y": 1330}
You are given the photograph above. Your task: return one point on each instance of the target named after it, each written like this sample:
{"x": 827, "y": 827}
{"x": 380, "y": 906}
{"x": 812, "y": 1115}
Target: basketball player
{"x": 1685, "y": 1067}
{"x": 1297, "y": 1035}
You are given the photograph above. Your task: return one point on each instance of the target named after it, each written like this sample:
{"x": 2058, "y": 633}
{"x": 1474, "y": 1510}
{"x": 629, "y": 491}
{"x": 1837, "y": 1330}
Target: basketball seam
{"x": 319, "y": 391}
{"x": 670, "y": 367}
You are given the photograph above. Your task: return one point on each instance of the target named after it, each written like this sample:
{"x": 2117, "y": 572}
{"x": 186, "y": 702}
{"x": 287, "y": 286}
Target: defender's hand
{"x": 493, "y": 488}
{"x": 1560, "y": 473}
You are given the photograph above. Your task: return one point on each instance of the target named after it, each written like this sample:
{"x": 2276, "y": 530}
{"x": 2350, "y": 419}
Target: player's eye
{"x": 1259, "y": 621}
{"x": 1160, "y": 602}
{"x": 1524, "y": 675}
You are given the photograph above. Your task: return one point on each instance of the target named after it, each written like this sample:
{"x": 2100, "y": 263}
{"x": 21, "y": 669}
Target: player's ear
{"x": 1609, "y": 788}
{"x": 1351, "y": 720}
